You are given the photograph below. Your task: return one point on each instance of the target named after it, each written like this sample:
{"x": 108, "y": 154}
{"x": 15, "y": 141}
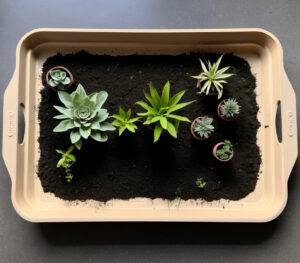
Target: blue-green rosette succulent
{"x": 59, "y": 79}
{"x": 83, "y": 116}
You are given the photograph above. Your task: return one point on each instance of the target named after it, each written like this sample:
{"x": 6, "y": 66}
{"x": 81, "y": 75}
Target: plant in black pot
{"x": 211, "y": 79}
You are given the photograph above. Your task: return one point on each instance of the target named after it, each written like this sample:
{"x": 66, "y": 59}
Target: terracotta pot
{"x": 213, "y": 93}
{"x": 193, "y": 133}
{"x": 216, "y": 147}
{"x": 151, "y": 128}
{"x": 220, "y": 115}
{"x": 64, "y": 69}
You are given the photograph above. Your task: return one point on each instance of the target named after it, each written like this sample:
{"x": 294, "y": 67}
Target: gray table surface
{"x": 277, "y": 241}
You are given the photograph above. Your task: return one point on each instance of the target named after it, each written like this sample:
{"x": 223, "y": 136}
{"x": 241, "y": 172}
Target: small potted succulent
{"x": 223, "y": 151}
{"x": 160, "y": 112}
{"x": 124, "y": 122}
{"x": 202, "y": 128}
{"x": 212, "y": 77}
{"x": 59, "y": 78}
{"x": 228, "y": 109}
{"x": 83, "y": 116}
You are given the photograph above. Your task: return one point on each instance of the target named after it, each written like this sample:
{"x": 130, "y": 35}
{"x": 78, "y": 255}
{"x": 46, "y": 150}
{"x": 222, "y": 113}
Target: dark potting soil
{"x": 132, "y": 165}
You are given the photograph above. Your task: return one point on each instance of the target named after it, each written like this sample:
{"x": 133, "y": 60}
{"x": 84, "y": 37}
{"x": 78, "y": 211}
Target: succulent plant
{"x": 66, "y": 161}
{"x": 123, "y": 121}
{"x": 83, "y": 116}
{"x": 160, "y": 111}
{"x": 200, "y": 183}
{"x": 213, "y": 77}
{"x": 203, "y": 127}
{"x": 59, "y": 79}
{"x": 226, "y": 151}
{"x": 230, "y": 108}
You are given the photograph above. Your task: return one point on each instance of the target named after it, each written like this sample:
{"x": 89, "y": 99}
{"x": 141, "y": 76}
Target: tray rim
{"x": 286, "y": 121}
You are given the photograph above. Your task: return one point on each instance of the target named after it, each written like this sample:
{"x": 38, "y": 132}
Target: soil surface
{"x": 132, "y": 165}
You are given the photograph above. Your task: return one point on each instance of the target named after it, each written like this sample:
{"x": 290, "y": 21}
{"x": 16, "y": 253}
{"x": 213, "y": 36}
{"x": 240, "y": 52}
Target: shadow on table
{"x": 156, "y": 233}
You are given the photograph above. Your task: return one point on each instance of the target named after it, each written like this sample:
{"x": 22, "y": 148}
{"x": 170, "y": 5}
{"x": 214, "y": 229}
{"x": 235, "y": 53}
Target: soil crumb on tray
{"x": 132, "y": 165}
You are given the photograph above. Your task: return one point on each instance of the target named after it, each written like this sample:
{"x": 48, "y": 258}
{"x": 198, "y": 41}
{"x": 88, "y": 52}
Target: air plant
{"x": 212, "y": 77}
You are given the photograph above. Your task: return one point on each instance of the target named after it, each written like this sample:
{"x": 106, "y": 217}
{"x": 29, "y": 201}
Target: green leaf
{"x": 70, "y": 149}
{"x": 203, "y": 66}
{"x": 218, "y": 62}
{"x": 164, "y": 101}
{"x": 60, "y": 117}
{"x": 101, "y": 98}
{"x": 128, "y": 114}
{"x": 116, "y": 123}
{"x": 179, "y": 106}
{"x": 60, "y": 162}
{"x": 176, "y": 98}
{"x": 154, "y": 93}
{"x": 52, "y": 83}
{"x": 85, "y": 132}
{"x": 102, "y": 115}
{"x": 171, "y": 129}
{"x": 146, "y": 107}
{"x": 122, "y": 113}
{"x": 67, "y": 112}
{"x": 152, "y": 120}
{"x": 130, "y": 127}
{"x": 78, "y": 145}
{"x": 98, "y": 136}
{"x": 60, "y": 151}
{"x": 121, "y": 129}
{"x": 133, "y": 120}
{"x": 177, "y": 117}
{"x": 72, "y": 157}
{"x": 118, "y": 117}
{"x": 75, "y": 136}
{"x": 106, "y": 126}
{"x": 80, "y": 90}
{"x": 163, "y": 122}
{"x": 64, "y": 126}
{"x": 65, "y": 98}
{"x": 157, "y": 132}
{"x": 176, "y": 124}
{"x": 95, "y": 126}
{"x": 66, "y": 81}
{"x": 155, "y": 104}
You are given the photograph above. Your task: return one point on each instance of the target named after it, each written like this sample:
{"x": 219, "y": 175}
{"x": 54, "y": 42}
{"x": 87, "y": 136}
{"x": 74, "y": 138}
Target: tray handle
{"x": 10, "y": 127}
{"x": 289, "y": 125}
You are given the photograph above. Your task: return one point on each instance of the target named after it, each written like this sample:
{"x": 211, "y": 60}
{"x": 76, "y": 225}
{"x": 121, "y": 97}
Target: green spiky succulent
{"x": 213, "y": 77}
{"x": 123, "y": 121}
{"x": 203, "y": 127}
{"x": 226, "y": 151}
{"x": 160, "y": 111}
{"x": 59, "y": 79}
{"x": 230, "y": 108}
{"x": 83, "y": 116}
